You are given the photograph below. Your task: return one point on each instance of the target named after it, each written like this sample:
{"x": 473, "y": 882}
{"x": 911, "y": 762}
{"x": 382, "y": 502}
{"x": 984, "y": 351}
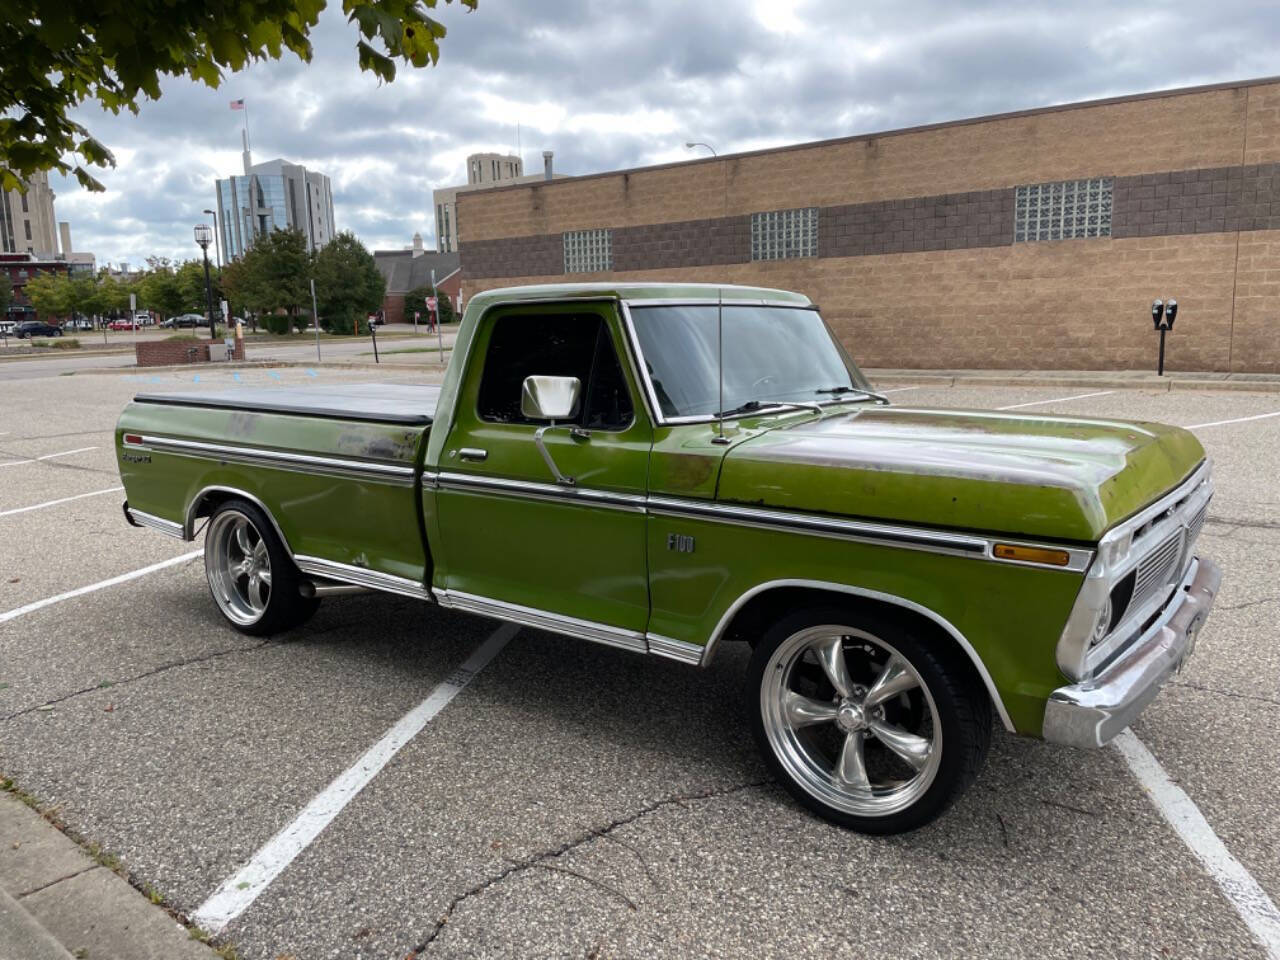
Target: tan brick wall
{"x": 1071, "y": 304}
{"x": 1131, "y": 137}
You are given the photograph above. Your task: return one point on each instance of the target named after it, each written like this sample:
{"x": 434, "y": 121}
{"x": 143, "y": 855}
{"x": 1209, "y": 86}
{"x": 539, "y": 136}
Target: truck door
{"x": 513, "y": 535}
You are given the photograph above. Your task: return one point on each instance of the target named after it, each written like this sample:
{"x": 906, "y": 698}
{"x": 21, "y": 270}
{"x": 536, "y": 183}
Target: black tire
{"x": 240, "y": 599}
{"x": 945, "y": 706}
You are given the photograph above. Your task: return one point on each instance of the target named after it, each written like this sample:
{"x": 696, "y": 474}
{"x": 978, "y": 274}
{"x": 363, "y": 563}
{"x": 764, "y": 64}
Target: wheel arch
{"x": 766, "y": 599}
{"x": 208, "y": 500}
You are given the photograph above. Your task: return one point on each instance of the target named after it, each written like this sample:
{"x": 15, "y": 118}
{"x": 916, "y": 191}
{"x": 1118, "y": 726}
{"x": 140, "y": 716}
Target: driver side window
{"x": 562, "y": 345}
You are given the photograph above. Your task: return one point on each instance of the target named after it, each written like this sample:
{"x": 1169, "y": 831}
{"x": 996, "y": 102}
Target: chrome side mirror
{"x": 550, "y": 398}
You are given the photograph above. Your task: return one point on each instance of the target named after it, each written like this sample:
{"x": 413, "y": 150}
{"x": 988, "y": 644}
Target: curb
{"x": 56, "y": 902}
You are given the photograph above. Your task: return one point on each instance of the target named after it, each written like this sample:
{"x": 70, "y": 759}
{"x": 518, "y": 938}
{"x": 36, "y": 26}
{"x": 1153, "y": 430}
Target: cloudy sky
{"x": 623, "y": 83}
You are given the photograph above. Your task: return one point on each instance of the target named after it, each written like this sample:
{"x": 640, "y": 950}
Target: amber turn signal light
{"x": 1009, "y": 551}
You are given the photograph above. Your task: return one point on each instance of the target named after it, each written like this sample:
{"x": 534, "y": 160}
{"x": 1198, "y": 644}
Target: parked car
{"x": 36, "y": 328}
{"x": 7, "y": 327}
{"x": 80, "y": 323}
{"x": 184, "y": 320}
{"x": 676, "y": 467}
{"x": 124, "y": 323}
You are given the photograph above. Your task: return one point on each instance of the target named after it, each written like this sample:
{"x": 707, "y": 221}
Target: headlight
{"x": 1114, "y": 553}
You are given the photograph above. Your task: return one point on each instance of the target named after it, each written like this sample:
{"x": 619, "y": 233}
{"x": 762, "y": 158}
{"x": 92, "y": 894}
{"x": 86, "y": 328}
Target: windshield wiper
{"x": 753, "y": 405}
{"x": 838, "y": 391}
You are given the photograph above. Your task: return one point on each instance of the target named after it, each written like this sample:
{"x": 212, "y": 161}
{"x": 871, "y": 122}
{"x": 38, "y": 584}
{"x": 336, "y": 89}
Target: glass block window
{"x": 588, "y": 251}
{"x": 783, "y": 234}
{"x": 1063, "y": 210}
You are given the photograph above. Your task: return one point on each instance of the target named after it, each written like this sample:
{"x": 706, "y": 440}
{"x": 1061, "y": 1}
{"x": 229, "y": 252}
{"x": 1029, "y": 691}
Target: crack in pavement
{"x": 1251, "y": 603}
{"x": 1224, "y": 693}
{"x": 53, "y": 883}
{"x": 164, "y": 667}
{"x": 593, "y": 833}
{"x": 1235, "y": 522}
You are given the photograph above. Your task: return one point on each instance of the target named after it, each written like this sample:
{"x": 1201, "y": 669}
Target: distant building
{"x": 483, "y": 170}
{"x": 275, "y": 195}
{"x": 80, "y": 264}
{"x": 26, "y": 219}
{"x": 22, "y": 268}
{"x": 407, "y": 270}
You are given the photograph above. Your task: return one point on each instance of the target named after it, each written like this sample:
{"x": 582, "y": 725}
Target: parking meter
{"x": 1170, "y": 311}
{"x": 1157, "y": 312}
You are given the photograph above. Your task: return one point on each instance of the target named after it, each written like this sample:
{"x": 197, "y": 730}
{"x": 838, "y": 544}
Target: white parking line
{"x": 47, "y": 456}
{"x": 54, "y": 503}
{"x": 1219, "y": 423}
{"x": 1036, "y": 403}
{"x": 237, "y": 892}
{"x": 900, "y": 389}
{"x": 101, "y": 585}
{"x": 1235, "y": 882}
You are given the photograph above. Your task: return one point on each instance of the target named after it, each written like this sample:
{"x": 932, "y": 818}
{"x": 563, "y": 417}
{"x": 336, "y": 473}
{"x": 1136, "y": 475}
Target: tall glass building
{"x": 276, "y": 195}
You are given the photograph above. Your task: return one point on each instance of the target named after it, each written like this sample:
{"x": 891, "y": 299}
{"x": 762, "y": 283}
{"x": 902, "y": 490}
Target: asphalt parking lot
{"x": 574, "y": 800}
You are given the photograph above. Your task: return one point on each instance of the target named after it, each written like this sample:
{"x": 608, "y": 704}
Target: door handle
{"x": 473, "y": 453}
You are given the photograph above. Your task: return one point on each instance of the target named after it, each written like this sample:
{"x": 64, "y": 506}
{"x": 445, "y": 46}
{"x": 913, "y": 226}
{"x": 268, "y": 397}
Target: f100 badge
{"x": 679, "y": 543}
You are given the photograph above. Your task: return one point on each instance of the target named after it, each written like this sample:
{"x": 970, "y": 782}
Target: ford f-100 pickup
{"x": 671, "y": 468}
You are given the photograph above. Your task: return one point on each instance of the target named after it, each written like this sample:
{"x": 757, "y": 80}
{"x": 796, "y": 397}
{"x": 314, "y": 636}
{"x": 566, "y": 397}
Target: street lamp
{"x": 217, "y": 243}
{"x": 203, "y": 235}
{"x": 691, "y": 144}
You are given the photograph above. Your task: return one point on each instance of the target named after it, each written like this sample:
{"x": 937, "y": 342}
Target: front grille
{"x": 1156, "y": 569}
{"x": 1193, "y": 528}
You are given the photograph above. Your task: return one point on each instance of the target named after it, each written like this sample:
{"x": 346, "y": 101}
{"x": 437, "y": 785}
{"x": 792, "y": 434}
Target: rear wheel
{"x": 251, "y": 575}
{"x": 865, "y": 723}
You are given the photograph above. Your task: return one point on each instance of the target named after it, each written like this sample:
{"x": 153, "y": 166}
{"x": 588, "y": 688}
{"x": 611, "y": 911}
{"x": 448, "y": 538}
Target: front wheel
{"x": 251, "y": 575}
{"x": 865, "y": 722}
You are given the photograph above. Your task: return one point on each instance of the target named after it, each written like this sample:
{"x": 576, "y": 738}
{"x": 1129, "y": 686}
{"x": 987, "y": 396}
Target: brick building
{"x": 21, "y": 268}
{"x": 1034, "y": 239}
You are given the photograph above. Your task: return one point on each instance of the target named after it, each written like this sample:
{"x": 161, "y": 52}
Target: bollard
{"x": 373, "y": 332}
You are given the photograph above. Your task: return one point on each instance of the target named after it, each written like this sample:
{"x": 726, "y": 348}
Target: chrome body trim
{"x": 167, "y": 527}
{"x": 960, "y": 638}
{"x": 543, "y": 620}
{"x": 529, "y": 489}
{"x": 661, "y": 646}
{"x": 1115, "y": 558}
{"x": 1091, "y": 713}
{"x": 193, "y": 508}
{"x": 303, "y": 462}
{"x": 361, "y": 576}
{"x": 961, "y": 544}
{"x": 474, "y": 454}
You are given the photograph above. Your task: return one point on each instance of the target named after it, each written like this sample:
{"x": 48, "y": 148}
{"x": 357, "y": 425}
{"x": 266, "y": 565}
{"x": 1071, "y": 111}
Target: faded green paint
{"x": 355, "y": 521}
{"x": 1063, "y": 478}
{"x": 1032, "y": 476}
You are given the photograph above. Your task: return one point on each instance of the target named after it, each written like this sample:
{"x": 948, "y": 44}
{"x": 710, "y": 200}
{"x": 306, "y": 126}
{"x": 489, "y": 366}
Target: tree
{"x": 59, "y": 55}
{"x": 416, "y": 300}
{"x": 348, "y": 283}
{"x": 277, "y": 269}
{"x": 49, "y": 293}
{"x": 159, "y": 291}
{"x": 190, "y": 276}
{"x": 6, "y": 293}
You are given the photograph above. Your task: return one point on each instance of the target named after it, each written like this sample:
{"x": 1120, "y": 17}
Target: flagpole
{"x": 248, "y": 144}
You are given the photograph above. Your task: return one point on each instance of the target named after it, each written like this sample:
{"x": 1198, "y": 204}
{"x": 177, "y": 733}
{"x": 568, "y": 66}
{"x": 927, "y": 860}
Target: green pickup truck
{"x": 670, "y": 468}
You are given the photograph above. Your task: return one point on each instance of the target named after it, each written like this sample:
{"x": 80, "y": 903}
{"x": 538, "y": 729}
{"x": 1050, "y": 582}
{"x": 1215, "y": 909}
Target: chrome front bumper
{"x": 1091, "y": 713}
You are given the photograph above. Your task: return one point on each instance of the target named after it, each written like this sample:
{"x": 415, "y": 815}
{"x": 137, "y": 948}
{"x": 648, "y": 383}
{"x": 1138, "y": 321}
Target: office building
{"x": 275, "y": 195}
{"x": 26, "y": 219}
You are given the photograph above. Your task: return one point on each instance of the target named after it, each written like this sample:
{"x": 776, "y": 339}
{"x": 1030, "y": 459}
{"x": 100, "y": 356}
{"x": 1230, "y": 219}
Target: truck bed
{"x": 409, "y": 404}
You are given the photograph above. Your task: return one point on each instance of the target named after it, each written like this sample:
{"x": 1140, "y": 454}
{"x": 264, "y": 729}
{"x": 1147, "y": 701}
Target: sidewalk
{"x": 1112, "y": 379}
{"x": 57, "y": 903}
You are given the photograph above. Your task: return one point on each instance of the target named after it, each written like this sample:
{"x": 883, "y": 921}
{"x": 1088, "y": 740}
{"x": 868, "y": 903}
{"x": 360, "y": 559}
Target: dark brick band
{"x": 1213, "y": 200}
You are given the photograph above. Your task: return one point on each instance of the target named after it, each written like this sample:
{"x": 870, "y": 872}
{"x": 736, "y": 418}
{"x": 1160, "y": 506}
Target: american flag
{"x": 237, "y": 104}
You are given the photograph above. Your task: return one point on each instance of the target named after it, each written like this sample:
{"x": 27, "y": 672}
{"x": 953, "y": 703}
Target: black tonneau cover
{"x": 375, "y": 402}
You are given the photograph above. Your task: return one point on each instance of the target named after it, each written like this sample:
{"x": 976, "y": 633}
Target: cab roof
{"x": 634, "y": 292}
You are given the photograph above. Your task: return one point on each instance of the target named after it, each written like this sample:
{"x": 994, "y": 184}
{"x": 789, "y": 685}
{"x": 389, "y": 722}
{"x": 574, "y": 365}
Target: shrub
{"x": 62, "y": 343}
{"x": 276, "y": 323}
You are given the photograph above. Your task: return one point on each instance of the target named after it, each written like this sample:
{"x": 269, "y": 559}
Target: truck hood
{"x": 1029, "y": 475}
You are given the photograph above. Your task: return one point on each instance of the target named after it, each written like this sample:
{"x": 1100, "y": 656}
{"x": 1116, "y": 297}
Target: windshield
{"x": 771, "y": 355}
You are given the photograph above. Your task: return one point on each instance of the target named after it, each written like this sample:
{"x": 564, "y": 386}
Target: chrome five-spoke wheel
{"x": 239, "y": 567}
{"x": 865, "y": 723}
{"x": 251, "y": 574}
